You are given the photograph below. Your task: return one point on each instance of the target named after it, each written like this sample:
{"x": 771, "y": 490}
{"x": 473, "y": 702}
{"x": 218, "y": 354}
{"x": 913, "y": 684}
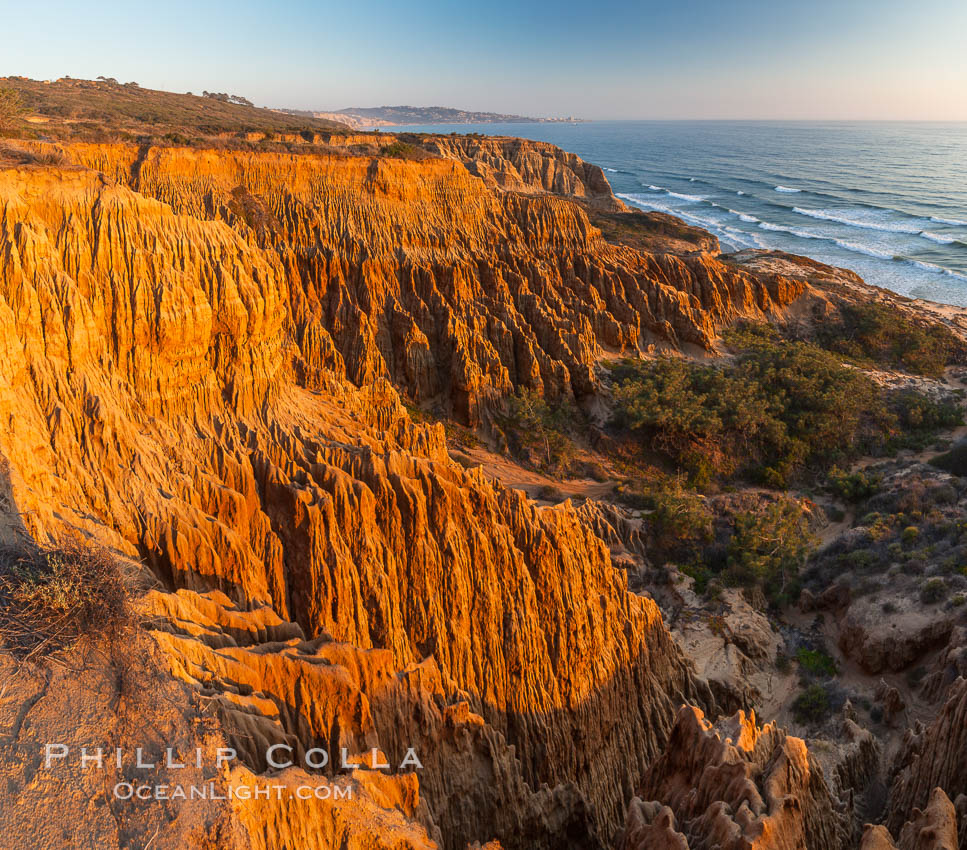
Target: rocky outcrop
{"x": 951, "y": 665}
{"x": 857, "y": 760}
{"x": 934, "y": 828}
{"x": 932, "y": 757}
{"x": 523, "y": 165}
{"x": 736, "y": 786}
{"x": 651, "y": 825}
{"x": 879, "y": 644}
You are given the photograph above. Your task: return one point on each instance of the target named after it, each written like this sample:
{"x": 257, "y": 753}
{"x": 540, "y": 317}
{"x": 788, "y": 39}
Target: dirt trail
{"x": 515, "y": 476}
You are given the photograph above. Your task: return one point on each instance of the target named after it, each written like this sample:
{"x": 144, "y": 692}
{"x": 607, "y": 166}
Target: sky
{"x": 604, "y": 59}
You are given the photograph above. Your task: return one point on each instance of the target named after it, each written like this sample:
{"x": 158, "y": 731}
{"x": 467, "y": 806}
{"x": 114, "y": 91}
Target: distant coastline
{"x": 365, "y": 118}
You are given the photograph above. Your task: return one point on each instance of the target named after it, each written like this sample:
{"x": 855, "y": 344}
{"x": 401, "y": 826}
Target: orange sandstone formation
{"x": 177, "y": 329}
{"x": 421, "y": 273}
{"x": 202, "y": 356}
{"x": 737, "y": 786}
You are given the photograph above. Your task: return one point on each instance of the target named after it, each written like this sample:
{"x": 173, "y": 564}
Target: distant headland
{"x": 394, "y": 116}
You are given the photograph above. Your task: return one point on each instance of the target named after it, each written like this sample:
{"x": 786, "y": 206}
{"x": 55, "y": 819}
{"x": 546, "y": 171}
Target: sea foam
{"x": 936, "y": 237}
{"x": 855, "y": 247}
{"x": 865, "y": 223}
{"x": 931, "y": 267}
{"x": 679, "y": 195}
{"x": 738, "y": 238}
{"x": 745, "y": 216}
{"x": 788, "y": 190}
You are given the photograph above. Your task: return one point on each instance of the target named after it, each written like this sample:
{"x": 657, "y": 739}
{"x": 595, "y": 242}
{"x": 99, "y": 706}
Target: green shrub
{"x": 541, "y": 429}
{"x": 549, "y": 493}
{"x": 403, "y": 150}
{"x": 780, "y": 408}
{"x": 920, "y": 412}
{"x": 701, "y": 575}
{"x": 853, "y": 486}
{"x": 880, "y": 334}
{"x": 679, "y": 514}
{"x": 595, "y": 471}
{"x": 834, "y": 513}
{"x": 177, "y": 138}
{"x": 812, "y": 704}
{"x": 768, "y": 547}
{"x": 816, "y": 662}
{"x": 954, "y": 461}
{"x": 11, "y": 110}
{"x": 859, "y": 560}
{"x": 933, "y": 591}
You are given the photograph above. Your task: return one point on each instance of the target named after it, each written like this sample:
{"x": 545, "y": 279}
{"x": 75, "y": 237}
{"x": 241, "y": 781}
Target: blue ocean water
{"x": 888, "y": 200}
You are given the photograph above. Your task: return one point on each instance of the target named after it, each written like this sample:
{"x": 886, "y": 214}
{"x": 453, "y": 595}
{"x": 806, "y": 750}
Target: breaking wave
{"x": 865, "y": 223}
{"x": 732, "y": 236}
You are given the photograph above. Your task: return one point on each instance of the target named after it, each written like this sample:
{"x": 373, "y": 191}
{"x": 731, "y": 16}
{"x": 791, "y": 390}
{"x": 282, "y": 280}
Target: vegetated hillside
{"x": 330, "y": 408}
{"x": 69, "y": 108}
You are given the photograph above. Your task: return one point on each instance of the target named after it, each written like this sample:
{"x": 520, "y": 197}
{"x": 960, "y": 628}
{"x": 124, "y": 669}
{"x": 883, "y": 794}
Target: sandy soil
{"x": 516, "y": 477}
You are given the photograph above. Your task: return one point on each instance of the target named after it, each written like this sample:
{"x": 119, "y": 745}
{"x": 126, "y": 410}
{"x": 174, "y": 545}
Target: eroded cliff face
{"x": 934, "y": 758}
{"x": 203, "y": 361}
{"x": 735, "y": 787}
{"x": 527, "y": 166}
{"x": 422, "y": 273}
{"x": 194, "y": 348}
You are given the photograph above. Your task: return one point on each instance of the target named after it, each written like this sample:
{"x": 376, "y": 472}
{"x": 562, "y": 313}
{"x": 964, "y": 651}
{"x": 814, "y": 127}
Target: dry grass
{"x": 15, "y": 154}
{"x": 95, "y": 110}
{"x": 53, "y": 597}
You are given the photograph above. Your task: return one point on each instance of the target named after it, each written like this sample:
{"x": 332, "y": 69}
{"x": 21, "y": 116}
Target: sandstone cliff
{"x": 529, "y": 166}
{"x": 176, "y": 330}
{"x": 934, "y": 757}
{"x": 421, "y": 273}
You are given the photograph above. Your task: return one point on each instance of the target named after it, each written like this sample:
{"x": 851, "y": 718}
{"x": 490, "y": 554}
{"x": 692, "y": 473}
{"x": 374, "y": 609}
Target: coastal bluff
{"x": 213, "y": 361}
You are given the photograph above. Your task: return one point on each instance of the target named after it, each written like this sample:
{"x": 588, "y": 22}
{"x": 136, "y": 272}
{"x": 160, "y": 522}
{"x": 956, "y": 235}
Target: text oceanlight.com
{"x": 211, "y": 791}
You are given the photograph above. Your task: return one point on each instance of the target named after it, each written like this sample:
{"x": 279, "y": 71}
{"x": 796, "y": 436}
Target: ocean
{"x": 887, "y": 200}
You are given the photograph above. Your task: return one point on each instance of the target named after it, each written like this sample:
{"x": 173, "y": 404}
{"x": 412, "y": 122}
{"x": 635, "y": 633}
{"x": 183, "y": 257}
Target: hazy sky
{"x": 849, "y": 59}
